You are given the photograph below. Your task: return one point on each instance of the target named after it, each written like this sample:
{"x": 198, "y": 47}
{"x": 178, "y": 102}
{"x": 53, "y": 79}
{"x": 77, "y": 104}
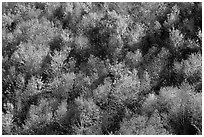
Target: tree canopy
{"x": 101, "y": 68}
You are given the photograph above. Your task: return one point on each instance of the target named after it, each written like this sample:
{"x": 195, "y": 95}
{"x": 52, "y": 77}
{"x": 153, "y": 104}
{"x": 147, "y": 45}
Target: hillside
{"x": 101, "y": 68}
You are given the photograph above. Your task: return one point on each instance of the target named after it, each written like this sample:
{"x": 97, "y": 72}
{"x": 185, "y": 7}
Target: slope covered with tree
{"x": 101, "y": 68}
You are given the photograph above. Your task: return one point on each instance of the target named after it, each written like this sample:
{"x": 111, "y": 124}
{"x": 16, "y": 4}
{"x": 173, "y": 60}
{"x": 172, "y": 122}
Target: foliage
{"x": 101, "y": 68}
{"x": 142, "y": 125}
{"x": 89, "y": 119}
{"x": 181, "y": 104}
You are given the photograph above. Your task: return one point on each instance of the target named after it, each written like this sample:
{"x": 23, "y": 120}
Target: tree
{"x": 101, "y": 68}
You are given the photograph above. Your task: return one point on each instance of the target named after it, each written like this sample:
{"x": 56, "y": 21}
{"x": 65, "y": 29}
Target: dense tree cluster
{"x": 101, "y": 68}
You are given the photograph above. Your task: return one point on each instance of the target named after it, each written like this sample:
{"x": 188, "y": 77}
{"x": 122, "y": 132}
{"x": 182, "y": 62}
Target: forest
{"x": 101, "y": 68}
